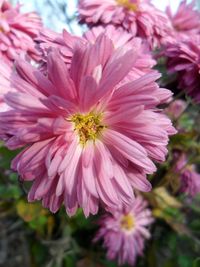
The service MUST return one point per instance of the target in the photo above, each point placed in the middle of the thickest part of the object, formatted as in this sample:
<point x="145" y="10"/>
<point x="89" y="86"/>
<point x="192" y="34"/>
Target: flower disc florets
<point x="127" y="222"/>
<point x="88" y="126"/>
<point x="127" y="4"/>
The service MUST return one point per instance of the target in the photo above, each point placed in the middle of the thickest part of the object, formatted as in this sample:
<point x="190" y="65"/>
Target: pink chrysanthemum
<point x="17" y="32"/>
<point x="184" y="58"/>
<point x="87" y="140"/>
<point x="189" y="178"/>
<point x="140" y="18"/>
<point x="176" y="109"/>
<point x="186" y="21"/>
<point x="124" y="232"/>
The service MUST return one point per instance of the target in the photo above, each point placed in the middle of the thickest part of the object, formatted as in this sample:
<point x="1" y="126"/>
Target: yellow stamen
<point x="127" y="222"/>
<point x="126" y="3"/>
<point x="88" y="126"/>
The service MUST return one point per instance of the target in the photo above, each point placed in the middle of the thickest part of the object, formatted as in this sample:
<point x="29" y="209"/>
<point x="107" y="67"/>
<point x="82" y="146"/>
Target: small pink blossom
<point x="17" y="32"/>
<point x="88" y="140"/>
<point x="184" y="59"/>
<point x="124" y="232"/>
<point x="189" y="178"/>
<point x="176" y="109"/>
<point x="140" y="18"/>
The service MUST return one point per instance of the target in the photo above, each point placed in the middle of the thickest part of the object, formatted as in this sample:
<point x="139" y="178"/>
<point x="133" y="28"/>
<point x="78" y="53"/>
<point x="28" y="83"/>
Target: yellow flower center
<point x="190" y="167"/>
<point x="127" y="4"/>
<point x="127" y="222"/>
<point x="2" y="17"/>
<point x="88" y="126"/>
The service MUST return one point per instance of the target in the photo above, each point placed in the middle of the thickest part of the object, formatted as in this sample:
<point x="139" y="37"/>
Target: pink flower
<point x="190" y="182"/>
<point x="176" y="109"/>
<point x="124" y="232"/>
<point x="184" y="58"/>
<point x="88" y="141"/>
<point x="189" y="178"/>
<point x="186" y="21"/>
<point x="140" y="18"/>
<point x="17" y="32"/>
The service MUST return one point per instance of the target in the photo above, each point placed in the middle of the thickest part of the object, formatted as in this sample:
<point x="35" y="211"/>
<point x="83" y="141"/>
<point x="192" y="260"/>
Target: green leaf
<point x="186" y="122"/>
<point x="196" y="263"/>
<point x="6" y="156"/>
<point x="10" y="192"/>
<point x="151" y="256"/>
<point x="184" y="261"/>
<point x="69" y="261"/>
<point x="39" y="253"/>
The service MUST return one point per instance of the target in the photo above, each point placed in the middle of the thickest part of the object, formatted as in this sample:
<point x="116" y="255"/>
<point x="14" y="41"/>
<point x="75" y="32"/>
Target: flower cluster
<point x="89" y="113"/>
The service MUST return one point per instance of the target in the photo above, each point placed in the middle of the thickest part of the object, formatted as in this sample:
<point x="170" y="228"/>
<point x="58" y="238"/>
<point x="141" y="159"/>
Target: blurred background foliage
<point x="30" y="236"/>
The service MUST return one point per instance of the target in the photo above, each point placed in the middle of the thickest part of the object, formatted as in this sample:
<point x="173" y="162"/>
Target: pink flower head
<point x="176" y="108"/>
<point x="17" y="32"/>
<point x="189" y="178"/>
<point x="88" y="141"/>
<point x="186" y="21"/>
<point x="184" y="58"/>
<point x="139" y="17"/>
<point x="124" y="232"/>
